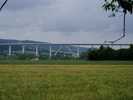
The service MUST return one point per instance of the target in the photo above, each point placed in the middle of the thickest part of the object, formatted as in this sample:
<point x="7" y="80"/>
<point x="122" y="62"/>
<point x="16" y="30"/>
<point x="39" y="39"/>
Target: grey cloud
<point x="62" y="19"/>
<point x="26" y="4"/>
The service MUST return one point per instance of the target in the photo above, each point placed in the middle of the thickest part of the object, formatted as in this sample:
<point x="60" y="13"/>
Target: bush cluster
<point x="107" y="53"/>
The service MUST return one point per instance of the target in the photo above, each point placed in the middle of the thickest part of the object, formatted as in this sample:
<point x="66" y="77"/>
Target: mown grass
<point x="66" y="82"/>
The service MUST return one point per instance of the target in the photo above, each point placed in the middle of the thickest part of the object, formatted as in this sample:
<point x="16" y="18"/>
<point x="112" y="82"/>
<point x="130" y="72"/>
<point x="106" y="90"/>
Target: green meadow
<point x="103" y="81"/>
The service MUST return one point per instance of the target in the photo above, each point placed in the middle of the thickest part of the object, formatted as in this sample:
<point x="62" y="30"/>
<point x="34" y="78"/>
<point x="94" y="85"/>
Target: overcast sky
<point x="61" y="21"/>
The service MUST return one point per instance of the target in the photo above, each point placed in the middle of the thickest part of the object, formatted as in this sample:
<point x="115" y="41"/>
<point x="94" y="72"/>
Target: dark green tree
<point x="115" y="5"/>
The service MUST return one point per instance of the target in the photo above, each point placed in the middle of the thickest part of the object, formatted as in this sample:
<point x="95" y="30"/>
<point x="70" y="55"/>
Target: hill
<point x="43" y="49"/>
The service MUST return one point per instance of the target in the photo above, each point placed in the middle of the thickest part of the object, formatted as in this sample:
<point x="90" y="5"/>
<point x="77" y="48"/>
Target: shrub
<point x="107" y="53"/>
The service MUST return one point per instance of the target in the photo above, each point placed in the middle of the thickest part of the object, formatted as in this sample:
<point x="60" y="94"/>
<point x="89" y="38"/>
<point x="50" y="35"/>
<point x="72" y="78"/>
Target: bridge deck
<point x="76" y="44"/>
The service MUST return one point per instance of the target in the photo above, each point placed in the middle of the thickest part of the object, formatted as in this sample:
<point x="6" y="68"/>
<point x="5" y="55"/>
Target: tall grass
<point x="66" y="82"/>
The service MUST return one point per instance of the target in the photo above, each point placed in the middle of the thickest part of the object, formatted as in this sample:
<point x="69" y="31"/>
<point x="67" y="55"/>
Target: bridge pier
<point x="23" y="49"/>
<point x="78" y="52"/>
<point x="92" y="47"/>
<point x="10" y="50"/>
<point x="50" y="52"/>
<point x="120" y="46"/>
<point x="37" y="51"/>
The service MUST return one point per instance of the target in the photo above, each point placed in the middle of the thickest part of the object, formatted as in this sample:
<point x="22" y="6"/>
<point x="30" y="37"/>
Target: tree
<point x="4" y="3"/>
<point x="115" y="6"/>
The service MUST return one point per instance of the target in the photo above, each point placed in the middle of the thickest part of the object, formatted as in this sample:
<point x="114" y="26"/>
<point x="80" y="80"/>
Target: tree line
<point x="107" y="53"/>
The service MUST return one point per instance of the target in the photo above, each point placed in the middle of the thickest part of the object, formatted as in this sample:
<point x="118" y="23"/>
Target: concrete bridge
<point x="60" y="46"/>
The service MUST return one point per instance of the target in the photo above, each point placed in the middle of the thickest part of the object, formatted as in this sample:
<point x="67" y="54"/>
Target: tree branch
<point x="3" y="5"/>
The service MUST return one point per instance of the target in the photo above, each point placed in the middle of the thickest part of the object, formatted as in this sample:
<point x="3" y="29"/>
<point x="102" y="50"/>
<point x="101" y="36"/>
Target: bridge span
<point x="52" y="52"/>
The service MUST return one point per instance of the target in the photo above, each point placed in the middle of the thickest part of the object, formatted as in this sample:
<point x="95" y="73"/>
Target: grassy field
<point x="65" y="62"/>
<point x="66" y="82"/>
